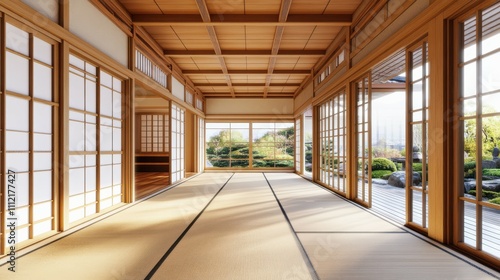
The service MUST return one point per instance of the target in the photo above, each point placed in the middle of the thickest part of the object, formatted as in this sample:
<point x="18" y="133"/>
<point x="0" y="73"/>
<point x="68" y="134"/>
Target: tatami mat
<point x="230" y="226"/>
<point x="242" y="235"/>
<point x="126" y="245"/>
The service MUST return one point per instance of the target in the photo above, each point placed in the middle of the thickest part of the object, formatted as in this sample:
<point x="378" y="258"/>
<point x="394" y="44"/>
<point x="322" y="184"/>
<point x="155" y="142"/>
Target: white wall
<point x="48" y="8"/>
<point x="304" y="96"/>
<point x="249" y="106"/>
<point x="88" y="23"/>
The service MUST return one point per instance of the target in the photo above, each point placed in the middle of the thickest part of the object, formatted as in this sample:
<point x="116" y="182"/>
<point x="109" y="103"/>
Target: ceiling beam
<point x="248" y="85"/>
<point x="206" y="19"/>
<point x="205" y="15"/>
<point x="260" y="53"/>
<point x="246" y="72"/>
<point x="248" y="94"/>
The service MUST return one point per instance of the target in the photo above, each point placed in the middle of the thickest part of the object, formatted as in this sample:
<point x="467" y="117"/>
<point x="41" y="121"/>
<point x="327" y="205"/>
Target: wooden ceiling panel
<point x="342" y="6"/>
<point x="293" y="44"/>
<point x="222" y="7"/>
<point x="239" y="48"/>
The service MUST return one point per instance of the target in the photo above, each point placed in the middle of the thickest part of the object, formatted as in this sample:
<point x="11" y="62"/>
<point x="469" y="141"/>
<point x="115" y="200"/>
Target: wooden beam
<point x="206" y="19"/>
<point x="248" y="85"/>
<point x="239" y="53"/>
<point x="246" y="72"/>
<point x="205" y="15"/>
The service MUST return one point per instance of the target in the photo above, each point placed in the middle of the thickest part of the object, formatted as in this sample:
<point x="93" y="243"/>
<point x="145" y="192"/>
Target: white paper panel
<point x="177" y="89"/>
<point x="42" y="121"/>
<point x="42" y="142"/>
<point x="76" y="201"/>
<point x="22" y="215"/>
<point x="42" y="227"/>
<point x="42" y="211"/>
<point x="76" y="116"/>
<point x="106" y="176"/>
<point x="90" y="179"/>
<point x="76" y="161"/>
<point x="106" y="203"/>
<point x="42" y="186"/>
<point x="91" y="69"/>
<point x="76" y="92"/>
<point x="117" y="190"/>
<point x="17" y="113"/>
<point x="106" y="121"/>
<point x="76" y="215"/>
<point x="18" y="162"/>
<point x="17" y="39"/>
<point x="106" y="102"/>
<point x="91" y="160"/>
<point x="106" y="159"/>
<point x="22" y="189"/>
<point x="117" y="84"/>
<point x="106" y="79"/>
<point x="90" y="96"/>
<point x="43" y="51"/>
<point x="90" y="133"/>
<point x="117" y="173"/>
<point x="22" y="235"/>
<point x="117" y="105"/>
<point x="17" y="141"/>
<point x="90" y="197"/>
<point x="90" y="210"/>
<point x="75" y="61"/>
<point x="117" y="139"/>
<point x="76" y="136"/>
<point x="117" y="200"/>
<point x="43" y="161"/>
<point x="105" y="193"/>
<point x="106" y="143"/>
<point x="42" y="82"/>
<point x="117" y="123"/>
<point x="76" y="181"/>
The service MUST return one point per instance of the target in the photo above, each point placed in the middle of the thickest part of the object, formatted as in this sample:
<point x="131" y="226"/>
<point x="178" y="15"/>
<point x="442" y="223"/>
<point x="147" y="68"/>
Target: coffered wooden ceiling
<point x="244" y="48"/>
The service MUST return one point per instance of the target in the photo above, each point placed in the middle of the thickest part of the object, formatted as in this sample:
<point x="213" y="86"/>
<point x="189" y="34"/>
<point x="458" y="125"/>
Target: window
<point x="95" y="140"/>
<point x="479" y="96"/>
<point x="30" y="107"/>
<point x="332" y="131"/>
<point x="298" y="145"/>
<point x="363" y="141"/>
<point x="201" y="144"/>
<point x="177" y="137"/>
<point x="229" y="146"/>
<point x="154" y="132"/>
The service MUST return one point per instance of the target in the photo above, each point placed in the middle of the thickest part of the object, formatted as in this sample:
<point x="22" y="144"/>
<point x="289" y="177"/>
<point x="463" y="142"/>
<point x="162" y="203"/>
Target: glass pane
<point x="469" y="34"/>
<point x="42" y="82"/>
<point x="491" y="229"/>
<point x="417" y="70"/>
<point x="417" y="207"/>
<point x="489" y="76"/>
<point x="470" y="224"/>
<point x="469" y="80"/>
<point x="470" y="107"/>
<point x="470" y="158"/>
<point x="17" y="74"/>
<point x="417" y="96"/>
<point x="490" y="102"/>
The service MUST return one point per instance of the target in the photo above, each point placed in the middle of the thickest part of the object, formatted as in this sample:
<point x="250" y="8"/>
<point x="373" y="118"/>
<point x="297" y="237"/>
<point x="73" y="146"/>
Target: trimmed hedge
<point x="383" y="164"/>
<point x="487" y="194"/>
<point x="491" y="172"/>
<point x="495" y="200"/>
<point x="381" y="174"/>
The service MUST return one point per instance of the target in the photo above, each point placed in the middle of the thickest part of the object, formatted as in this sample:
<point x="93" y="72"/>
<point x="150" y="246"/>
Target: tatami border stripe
<point x="312" y="270"/>
<point x="169" y="251"/>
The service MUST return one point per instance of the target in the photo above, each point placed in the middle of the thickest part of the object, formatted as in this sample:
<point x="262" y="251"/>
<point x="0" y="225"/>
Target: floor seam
<point x="179" y="239"/>
<point x="312" y="270"/>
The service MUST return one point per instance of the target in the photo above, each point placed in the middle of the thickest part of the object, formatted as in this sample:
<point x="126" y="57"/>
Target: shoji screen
<point x="29" y="130"/>
<point x="95" y="140"/>
<point x="177" y="139"/>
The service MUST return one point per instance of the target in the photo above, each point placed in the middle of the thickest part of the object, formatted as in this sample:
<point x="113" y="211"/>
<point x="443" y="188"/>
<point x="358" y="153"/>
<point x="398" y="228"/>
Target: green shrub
<point x="383" y="164"/>
<point x="491" y="172"/>
<point x="417" y="167"/>
<point x="495" y="200"/>
<point x="471" y="173"/>
<point x="381" y="174"/>
<point x="487" y="194"/>
<point x="399" y="166"/>
<point x="469" y="166"/>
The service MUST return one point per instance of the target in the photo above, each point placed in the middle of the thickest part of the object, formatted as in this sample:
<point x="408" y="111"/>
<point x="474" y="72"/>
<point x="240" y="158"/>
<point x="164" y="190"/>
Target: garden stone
<point x="379" y="181"/>
<point x="398" y="179"/>
<point x="492" y="185"/>
<point x="469" y="184"/>
<point x="489" y="164"/>
<point x="497" y="162"/>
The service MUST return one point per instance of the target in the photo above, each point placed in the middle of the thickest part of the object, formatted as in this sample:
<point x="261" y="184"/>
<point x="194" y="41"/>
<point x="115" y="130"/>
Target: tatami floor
<point x="245" y="226"/>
